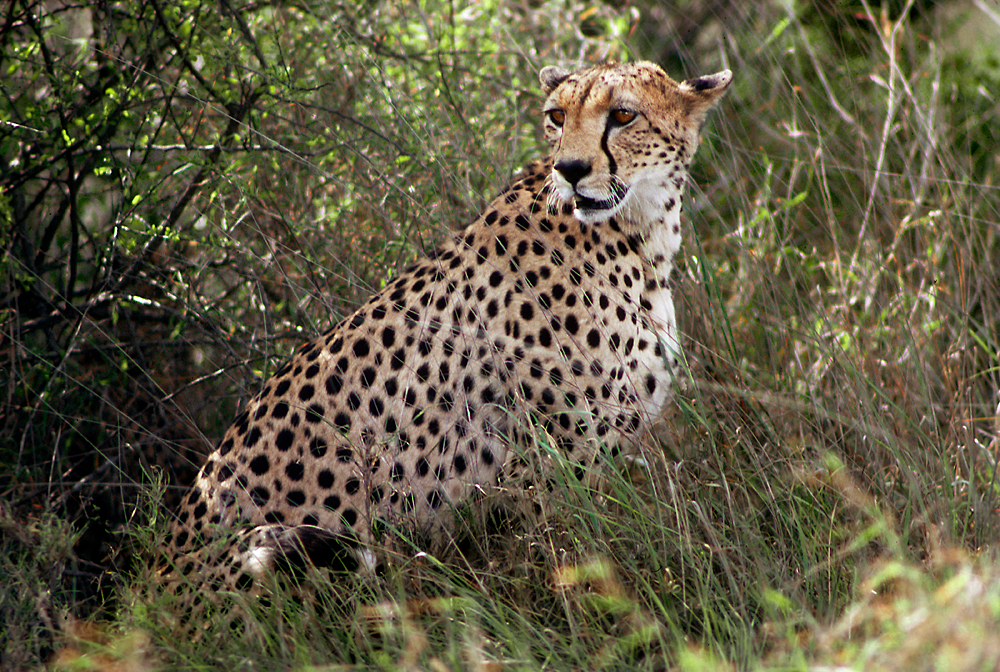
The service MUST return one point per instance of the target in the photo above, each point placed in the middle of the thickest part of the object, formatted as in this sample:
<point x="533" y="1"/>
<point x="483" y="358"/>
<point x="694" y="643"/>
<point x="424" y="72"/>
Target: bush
<point x="189" y="193"/>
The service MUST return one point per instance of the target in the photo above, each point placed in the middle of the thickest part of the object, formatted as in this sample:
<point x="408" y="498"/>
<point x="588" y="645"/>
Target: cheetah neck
<point x="656" y="221"/>
<point x="658" y="227"/>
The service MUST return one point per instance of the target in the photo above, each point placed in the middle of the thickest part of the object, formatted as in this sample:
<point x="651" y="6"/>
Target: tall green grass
<point x="824" y="489"/>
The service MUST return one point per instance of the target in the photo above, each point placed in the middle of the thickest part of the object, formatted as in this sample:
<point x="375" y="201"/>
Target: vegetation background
<point x="188" y="190"/>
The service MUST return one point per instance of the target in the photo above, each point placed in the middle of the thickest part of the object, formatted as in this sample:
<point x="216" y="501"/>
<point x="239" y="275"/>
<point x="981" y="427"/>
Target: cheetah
<point x="551" y="313"/>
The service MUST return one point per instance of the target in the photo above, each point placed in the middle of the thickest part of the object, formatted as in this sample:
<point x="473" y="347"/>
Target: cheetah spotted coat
<point x="549" y="316"/>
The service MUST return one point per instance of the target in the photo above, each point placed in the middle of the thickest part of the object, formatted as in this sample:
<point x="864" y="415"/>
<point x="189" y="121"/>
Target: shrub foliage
<point x="189" y="190"/>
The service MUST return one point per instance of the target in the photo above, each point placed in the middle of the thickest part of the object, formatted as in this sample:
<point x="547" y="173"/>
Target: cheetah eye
<point x="557" y="117"/>
<point x="622" y="117"/>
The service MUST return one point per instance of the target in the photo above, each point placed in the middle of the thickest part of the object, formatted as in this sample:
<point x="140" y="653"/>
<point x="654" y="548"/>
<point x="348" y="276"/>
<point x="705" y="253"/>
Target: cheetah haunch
<point x="550" y="311"/>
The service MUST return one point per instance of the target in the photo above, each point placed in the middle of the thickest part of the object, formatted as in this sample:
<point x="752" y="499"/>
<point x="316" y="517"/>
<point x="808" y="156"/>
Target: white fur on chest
<point x="660" y="245"/>
<point x="664" y="320"/>
<point x="660" y="240"/>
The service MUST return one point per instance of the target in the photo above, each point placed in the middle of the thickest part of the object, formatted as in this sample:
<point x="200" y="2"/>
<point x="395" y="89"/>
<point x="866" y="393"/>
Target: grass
<point x="823" y="492"/>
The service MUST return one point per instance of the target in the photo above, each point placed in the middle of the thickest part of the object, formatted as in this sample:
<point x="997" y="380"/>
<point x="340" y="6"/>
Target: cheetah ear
<point x="704" y="93"/>
<point x="552" y="76"/>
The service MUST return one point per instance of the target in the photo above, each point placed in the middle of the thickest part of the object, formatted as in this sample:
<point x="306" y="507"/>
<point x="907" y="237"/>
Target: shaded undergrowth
<point x="181" y="207"/>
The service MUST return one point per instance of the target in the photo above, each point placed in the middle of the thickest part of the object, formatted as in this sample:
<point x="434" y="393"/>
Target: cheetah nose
<point x="573" y="171"/>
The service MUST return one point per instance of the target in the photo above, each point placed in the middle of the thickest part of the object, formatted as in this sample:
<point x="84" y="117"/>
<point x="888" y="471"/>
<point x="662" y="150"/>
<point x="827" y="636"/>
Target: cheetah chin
<point x="589" y="210"/>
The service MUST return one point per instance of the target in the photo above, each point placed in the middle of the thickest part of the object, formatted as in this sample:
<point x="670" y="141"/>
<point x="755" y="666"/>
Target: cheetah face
<point x="622" y="137"/>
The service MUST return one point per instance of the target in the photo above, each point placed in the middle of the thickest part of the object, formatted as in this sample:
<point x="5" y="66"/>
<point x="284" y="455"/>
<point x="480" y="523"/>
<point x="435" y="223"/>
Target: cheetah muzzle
<point x="550" y="315"/>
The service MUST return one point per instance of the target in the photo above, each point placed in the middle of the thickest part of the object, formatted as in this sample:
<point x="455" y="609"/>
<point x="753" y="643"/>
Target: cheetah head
<point x="623" y="135"/>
